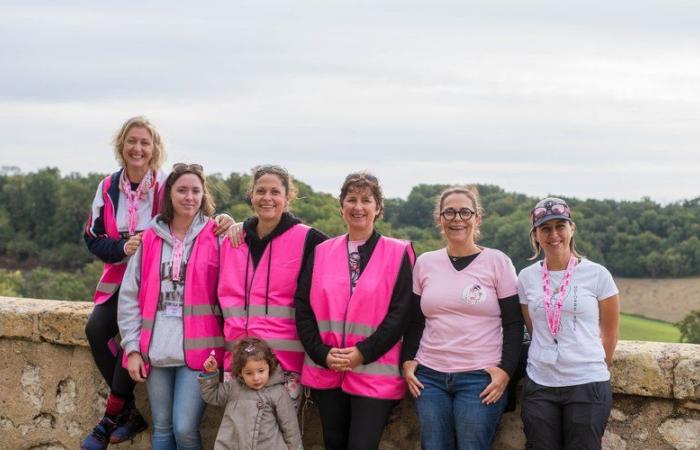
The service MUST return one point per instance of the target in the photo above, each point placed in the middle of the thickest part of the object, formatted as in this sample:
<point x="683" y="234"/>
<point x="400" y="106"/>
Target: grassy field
<point x="637" y="328"/>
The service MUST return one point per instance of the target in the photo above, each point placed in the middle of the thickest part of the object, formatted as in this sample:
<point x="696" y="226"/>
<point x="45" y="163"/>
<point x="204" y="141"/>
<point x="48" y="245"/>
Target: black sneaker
<point x="99" y="438"/>
<point x="129" y="424"/>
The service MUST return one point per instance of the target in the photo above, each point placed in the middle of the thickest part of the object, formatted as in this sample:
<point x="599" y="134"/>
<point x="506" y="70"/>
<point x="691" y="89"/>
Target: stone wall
<point x="51" y="393"/>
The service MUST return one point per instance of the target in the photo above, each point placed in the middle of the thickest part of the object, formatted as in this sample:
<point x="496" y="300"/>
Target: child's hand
<point x="210" y="364"/>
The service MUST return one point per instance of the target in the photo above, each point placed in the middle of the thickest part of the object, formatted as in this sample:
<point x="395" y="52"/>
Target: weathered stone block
<point x="643" y="368"/>
<point x="686" y="374"/>
<point x="682" y="434"/>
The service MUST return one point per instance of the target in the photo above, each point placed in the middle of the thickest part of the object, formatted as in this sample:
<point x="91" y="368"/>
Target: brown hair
<point x="537" y="248"/>
<point x="255" y="349"/>
<point x="271" y="169"/>
<point x="159" y="154"/>
<point x="361" y="180"/>
<point x="180" y="169"/>
<point x="471" y="192"/>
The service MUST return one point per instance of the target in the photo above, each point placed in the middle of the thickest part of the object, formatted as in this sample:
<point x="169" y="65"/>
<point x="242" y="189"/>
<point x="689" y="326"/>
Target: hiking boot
<point x="99" y="437"/>
<point x="129" y="424"/>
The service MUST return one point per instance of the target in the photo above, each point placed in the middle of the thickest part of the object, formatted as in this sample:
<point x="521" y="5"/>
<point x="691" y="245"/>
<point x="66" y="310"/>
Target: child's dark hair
<point x="255" y="349"/>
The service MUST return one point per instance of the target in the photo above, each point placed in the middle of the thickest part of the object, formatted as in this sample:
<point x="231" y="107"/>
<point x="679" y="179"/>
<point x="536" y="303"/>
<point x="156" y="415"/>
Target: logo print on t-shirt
<point x="474" y="294"/>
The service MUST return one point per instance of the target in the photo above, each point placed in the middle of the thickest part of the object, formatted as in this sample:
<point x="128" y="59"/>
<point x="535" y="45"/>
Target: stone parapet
<point x="51" y="394"/>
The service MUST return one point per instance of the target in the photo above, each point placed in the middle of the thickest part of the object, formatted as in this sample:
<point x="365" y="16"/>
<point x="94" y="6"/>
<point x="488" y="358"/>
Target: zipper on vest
<point x="184" y="299"/>
<point x="347" y="304"/>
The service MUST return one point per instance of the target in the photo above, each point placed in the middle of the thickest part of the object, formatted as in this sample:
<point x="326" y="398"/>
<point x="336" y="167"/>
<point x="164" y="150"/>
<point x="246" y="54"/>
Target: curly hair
<point x="359" y="181"/>
<point x="252" y="348"/>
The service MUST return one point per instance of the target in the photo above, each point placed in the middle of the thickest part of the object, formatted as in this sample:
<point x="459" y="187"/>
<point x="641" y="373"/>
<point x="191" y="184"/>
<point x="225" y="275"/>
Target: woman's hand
<point x="223" y="223"/>
<point x="498" y="385"/>
<point x="236" y="234"/>
<point x="335" y="360"/>
<point x="409" y="373"/>
<point x="353" y="356"/>
<point x="132" y="244"/>
<point x="136" y="367"/>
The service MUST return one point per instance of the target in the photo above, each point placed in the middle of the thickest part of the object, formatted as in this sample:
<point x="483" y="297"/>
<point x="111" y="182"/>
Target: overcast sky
<point x="596" y="98"/>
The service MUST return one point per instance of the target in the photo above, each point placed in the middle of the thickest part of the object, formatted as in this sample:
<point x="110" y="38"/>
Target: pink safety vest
<point x="344" y="319"/>
<point x="202" y="322"/>
<point x="112" y="274"/>
<point x="263" y="304"/>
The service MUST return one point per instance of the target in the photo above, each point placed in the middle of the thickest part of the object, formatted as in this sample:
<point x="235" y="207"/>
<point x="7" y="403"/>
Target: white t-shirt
<point x="577" y="356"/>
<point x="462" y="315"/>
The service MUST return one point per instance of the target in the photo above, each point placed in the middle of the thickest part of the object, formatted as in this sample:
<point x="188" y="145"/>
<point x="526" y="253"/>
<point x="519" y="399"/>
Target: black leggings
<point x="101" y="327"/>
<point x="351" y="422"/>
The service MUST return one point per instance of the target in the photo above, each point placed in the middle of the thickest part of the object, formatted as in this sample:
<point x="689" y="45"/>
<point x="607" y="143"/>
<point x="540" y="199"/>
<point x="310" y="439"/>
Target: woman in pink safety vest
<point x="258" y="278"/>
<point x="169" y="317"/>
<point x="353" y="305"/>
<point x="123" y="207"/>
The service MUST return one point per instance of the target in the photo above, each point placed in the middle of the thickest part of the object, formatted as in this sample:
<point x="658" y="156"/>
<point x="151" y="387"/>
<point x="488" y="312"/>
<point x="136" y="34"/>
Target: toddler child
<point x="259" y="413"/>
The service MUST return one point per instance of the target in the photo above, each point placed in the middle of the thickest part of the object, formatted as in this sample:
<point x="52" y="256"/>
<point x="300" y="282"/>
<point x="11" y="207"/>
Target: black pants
<point x="351" y="422"/>
<point x="571" y="417"/>
<point x="101" y="327"/>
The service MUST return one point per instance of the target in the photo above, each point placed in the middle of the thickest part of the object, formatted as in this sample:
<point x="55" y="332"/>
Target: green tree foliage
<point x="690" y="328"/>
<point x="42" y="215"/>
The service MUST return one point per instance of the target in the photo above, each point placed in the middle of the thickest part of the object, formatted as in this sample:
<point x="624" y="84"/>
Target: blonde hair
<point x="471" y="192"/>
<point x="159" y="154"/>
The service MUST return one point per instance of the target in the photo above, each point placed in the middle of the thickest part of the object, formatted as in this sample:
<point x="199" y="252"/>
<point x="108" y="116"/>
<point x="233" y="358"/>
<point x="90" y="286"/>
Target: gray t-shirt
<point x="577" y="356"/>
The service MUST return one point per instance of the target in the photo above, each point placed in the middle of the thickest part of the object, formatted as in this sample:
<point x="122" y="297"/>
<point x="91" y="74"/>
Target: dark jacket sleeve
<point x="414" y="332"/>
<point x="396" y="321"/>
<point x="107" y="249"/>
<point x="313" y="238"/>
<point x="512" y="323"/>
<point x="307" y="326"/>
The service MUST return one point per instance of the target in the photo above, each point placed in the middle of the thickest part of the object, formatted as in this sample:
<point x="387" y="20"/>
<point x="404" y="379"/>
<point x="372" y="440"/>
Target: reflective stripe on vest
<point x="202" y="319"/>
<point x="267" y="310"/>
<point x="344" y="318"/>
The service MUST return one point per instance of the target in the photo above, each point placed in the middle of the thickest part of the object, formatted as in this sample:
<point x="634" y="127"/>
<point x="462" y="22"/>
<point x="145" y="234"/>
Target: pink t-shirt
<point x="462" y="316"/>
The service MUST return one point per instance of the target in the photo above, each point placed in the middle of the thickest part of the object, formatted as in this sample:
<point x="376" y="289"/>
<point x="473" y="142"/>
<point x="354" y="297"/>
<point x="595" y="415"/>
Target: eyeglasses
<point x="558" y="209"/>
<point x="182" y="167"/>
<point x="451" y="213"/>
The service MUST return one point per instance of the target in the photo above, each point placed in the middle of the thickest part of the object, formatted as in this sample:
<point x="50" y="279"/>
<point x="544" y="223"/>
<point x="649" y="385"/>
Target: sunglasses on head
<point x="270" y="168"/>
<point x="182" y="167"/>
<point x="358" y="176"/>
<point x="559" y="209"/>
<point x="451" y="213"/>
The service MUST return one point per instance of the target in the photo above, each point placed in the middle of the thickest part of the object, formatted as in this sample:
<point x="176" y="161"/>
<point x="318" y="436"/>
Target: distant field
<point x="667" y="299"/>
<point x="635" y="328"/>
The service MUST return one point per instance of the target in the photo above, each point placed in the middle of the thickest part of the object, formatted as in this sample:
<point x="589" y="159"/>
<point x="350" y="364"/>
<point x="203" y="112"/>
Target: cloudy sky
<point x="590" y="99"/>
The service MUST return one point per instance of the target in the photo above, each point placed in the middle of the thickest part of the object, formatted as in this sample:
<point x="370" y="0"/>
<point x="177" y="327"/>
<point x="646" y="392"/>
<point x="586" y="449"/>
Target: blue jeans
<point x="176" y="406"/>
<point x="450" y="412"/>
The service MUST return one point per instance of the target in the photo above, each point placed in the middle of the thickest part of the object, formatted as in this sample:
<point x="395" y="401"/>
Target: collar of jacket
<point x="365" y="250"/>
<point x="251" y="233"/>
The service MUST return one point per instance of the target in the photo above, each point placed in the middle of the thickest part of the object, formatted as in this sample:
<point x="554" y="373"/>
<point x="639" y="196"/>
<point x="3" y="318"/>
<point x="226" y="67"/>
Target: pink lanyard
<point x="133" y="198"/>
<point x="554" y="317"/>
<point x="178" y="251"/>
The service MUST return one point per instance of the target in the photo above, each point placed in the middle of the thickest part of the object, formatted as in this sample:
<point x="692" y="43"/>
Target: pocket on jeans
<point x="588" y="402"/>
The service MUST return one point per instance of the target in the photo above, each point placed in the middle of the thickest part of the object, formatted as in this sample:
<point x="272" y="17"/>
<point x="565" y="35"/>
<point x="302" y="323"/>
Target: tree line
<point x="43" y="213"/>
